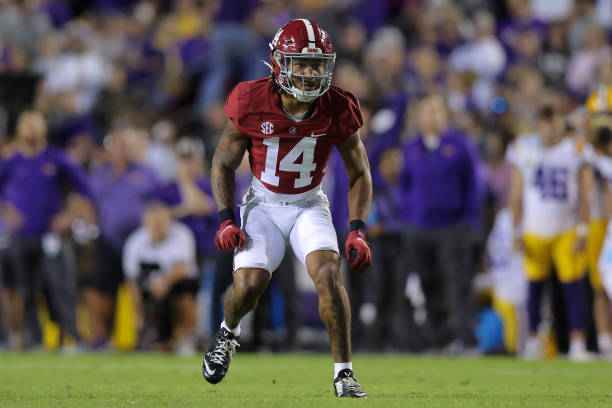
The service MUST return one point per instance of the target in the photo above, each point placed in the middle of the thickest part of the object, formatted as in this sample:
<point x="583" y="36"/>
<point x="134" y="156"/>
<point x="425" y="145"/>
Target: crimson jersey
<point x="290" y="157"/>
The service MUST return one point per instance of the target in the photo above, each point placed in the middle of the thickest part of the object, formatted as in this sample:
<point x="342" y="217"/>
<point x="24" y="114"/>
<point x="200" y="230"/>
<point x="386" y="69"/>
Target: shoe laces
<point x="225" y="348"/>
<point x="351" y="384"/>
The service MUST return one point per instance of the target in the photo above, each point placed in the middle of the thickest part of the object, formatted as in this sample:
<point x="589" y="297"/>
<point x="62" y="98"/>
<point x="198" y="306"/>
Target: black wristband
<point x="357" y="225"/>
<point x="226" y="214"/>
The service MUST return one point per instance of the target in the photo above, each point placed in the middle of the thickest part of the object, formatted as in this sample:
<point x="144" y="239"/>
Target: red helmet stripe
<point x="310" y="31"/>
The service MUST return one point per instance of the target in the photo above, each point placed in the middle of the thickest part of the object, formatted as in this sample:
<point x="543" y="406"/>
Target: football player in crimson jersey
<point x="289" y="123"/>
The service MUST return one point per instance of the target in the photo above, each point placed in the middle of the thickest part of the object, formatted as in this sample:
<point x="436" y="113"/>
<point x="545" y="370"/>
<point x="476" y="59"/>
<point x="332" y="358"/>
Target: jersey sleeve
<point x="234" y="106"/>
<point x="347" y="116"/>
<point x="522" y="150"/>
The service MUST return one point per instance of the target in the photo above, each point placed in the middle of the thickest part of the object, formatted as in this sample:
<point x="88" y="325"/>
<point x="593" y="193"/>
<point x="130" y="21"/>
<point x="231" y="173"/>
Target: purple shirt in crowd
<point x="203" y="228"/>
<point x="122" y="198"/>
<point x="387" y="207"/>
<point x="439" y="185"/>
<point x="34" y="186"/>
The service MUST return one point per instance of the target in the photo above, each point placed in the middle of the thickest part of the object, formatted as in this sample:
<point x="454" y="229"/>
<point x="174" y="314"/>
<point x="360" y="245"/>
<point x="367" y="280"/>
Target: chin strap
<point x="267" y="64"/>
<point x="302" y="98"/>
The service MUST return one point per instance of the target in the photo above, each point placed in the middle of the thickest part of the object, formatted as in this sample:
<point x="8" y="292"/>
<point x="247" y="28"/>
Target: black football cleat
<point x="219" y="355"/>
<point x="345" y="385"/>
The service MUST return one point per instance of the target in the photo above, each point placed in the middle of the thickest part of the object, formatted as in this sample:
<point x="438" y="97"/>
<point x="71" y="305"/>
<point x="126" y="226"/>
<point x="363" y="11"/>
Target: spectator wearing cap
<point x="122" y="188"/>
<point x="32" y="185"/>
<point x="159" y="260"/>
<point x="439" y="183"/>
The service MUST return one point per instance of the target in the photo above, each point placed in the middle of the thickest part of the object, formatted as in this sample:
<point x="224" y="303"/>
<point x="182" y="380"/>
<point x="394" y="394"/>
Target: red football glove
<point x="229" y="236"/>
<point x="356" y="241"/>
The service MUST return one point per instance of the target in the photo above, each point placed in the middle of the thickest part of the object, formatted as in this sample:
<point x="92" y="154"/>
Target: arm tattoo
<point x="227" y="158"/>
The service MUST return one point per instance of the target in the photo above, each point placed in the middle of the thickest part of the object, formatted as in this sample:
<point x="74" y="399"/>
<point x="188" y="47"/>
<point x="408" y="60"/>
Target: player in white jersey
<point x="550" y="208"/>
<point x="587" y="123"/>
<point x="509" y="284"/>
<point x="599" y="108"/>
<point x="601" y="273"/>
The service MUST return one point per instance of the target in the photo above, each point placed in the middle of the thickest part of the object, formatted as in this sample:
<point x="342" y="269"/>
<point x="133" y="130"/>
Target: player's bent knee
<point x="251" y="281"/>
<point x="317" y="260"/>
<point x="325" y="273"/>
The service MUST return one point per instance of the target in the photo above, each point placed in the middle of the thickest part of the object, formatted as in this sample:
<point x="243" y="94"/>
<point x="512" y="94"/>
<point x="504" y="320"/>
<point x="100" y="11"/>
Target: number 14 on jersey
<point x="305" y="148"/>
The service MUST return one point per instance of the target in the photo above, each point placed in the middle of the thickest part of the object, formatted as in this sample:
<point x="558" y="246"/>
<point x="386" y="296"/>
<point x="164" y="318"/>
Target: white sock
<point x="235" y="331"/>
<point x="577" y="345"/>
<point x="341" y="366"/>
<point x="604" y="341"/>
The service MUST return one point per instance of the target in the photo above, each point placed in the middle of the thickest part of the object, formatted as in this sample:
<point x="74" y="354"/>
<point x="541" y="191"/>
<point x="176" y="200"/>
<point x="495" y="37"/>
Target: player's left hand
<point x="356" y="241"/>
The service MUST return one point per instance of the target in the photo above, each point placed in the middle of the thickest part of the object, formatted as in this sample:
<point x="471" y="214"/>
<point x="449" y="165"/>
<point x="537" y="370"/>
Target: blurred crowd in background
<point x="130" y="94"/>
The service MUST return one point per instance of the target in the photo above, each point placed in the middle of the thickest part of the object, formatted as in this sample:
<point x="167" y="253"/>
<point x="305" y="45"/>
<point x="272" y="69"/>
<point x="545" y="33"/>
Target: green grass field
<point x="300" y="380"/>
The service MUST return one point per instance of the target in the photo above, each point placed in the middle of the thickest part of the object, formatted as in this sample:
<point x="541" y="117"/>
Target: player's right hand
<point x="229" y="236"/>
